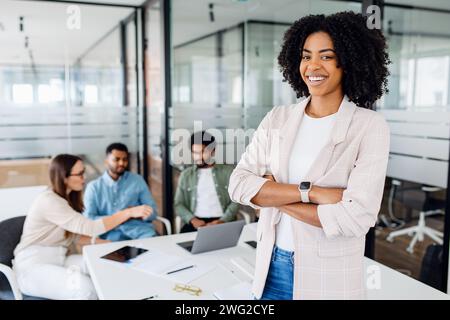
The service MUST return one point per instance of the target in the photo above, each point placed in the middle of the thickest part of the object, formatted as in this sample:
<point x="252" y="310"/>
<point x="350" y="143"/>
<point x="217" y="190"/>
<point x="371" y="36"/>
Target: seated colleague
<point x="201" y="197"/>
<point x="53" y="224"/>
<point x="116" y="190"/>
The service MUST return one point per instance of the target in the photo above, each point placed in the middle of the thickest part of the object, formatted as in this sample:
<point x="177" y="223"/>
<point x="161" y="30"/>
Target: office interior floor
<point x="394" y="255"/>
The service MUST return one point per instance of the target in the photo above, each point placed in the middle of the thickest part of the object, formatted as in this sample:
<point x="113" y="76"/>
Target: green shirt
<point x="186" y="194"/>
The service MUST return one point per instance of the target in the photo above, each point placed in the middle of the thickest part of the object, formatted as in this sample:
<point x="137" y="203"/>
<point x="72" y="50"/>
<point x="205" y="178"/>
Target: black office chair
<point x="431" y="269"/>
<point x="10" y="233"/>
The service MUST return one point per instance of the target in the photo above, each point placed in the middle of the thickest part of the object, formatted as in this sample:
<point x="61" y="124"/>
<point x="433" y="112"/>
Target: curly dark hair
<point x="361" y="52"/>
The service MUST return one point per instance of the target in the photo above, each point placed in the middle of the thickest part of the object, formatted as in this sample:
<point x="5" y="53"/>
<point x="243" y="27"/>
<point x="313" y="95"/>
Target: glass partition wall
<point x="417" y="108"/>
<point x="208" y="86"/>
<point x="61" y="83"/>
<point x="225" y="74"/>
<point x="154" y="104"/>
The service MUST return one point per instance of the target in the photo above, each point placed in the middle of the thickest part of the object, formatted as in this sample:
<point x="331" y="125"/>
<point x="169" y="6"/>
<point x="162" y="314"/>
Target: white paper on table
<point x="159" y="263"/>
<point x="186" y="276"/>
<point x="240" y="291"/>
<point x="156" y="262"/>
<point x="252" y="226"/>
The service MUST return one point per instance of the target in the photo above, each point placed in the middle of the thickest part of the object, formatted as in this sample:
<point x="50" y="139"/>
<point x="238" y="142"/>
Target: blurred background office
<point x="78" y="75"/>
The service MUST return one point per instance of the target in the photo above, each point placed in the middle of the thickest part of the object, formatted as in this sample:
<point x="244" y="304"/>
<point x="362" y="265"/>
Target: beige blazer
<point x="328" y="260"/>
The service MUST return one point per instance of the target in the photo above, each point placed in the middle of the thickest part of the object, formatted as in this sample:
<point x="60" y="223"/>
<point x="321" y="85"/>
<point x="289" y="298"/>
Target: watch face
<point x="305" y="185"/>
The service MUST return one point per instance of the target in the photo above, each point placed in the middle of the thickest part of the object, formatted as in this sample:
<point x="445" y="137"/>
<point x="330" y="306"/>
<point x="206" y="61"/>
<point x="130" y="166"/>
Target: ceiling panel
<point x="49" y="39"/>
<point x="121" y="2"/>
<point x="437" y="4"/>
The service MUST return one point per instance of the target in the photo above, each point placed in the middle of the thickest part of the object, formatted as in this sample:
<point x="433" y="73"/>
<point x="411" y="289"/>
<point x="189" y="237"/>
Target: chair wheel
<point x="410" y="250"/>
<point x="391" y="240"/>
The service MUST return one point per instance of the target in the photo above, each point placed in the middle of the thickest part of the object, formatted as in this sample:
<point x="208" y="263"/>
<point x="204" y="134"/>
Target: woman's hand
<point x="85" y="240"/>
<point x="122" y="216"/>
<point x="320" y="195"/>
<point x="143" y="212"/>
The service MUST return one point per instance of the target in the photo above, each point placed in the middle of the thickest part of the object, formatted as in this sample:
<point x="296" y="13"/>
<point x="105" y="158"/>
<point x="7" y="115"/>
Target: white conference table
<point x="115" y="281"/>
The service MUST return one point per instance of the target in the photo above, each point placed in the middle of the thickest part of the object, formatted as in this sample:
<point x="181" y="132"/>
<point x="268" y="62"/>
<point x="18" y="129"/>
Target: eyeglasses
<point x="78" y="174"/>
<point x="192" y="290"/>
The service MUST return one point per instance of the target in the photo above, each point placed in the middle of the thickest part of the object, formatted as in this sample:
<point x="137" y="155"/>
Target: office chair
<point x="166" y="224"/>
<point x="430" y="206"/>
<point x="391" y="220"/>
<point x="178" y="221"/>
<point x="10" y="233"/>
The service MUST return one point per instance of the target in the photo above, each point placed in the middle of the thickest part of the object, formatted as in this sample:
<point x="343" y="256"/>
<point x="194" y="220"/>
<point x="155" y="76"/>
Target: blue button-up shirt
<point x="105" y="196"/>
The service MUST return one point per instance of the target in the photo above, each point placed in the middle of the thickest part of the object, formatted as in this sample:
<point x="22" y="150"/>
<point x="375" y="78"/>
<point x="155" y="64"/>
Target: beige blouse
<point x="48" y="219"/>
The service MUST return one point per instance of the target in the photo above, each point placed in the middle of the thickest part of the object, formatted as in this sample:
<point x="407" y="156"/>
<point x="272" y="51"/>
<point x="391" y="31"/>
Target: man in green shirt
<point x="202" y="196"/>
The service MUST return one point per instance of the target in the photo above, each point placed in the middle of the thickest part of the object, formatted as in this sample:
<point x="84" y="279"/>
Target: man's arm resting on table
<point x="146" y="198"/>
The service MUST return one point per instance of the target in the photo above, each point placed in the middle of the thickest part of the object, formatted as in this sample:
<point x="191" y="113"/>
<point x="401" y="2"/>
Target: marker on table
<point x="188" y="267"/>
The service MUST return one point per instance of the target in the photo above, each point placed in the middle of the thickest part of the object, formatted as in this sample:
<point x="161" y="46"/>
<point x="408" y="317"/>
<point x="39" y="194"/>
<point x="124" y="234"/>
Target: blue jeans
<point x="280" y="279"/>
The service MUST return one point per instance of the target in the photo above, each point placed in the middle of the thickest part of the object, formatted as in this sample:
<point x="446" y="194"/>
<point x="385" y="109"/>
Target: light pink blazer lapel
<point x="288" y="135"/>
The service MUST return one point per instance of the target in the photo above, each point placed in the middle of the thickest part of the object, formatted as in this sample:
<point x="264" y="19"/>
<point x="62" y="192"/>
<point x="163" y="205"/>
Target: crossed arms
<point x="285" y="197"/>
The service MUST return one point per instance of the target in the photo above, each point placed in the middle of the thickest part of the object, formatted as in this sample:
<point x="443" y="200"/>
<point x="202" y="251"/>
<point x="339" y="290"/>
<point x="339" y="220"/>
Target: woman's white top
<point x="312" y="135"/>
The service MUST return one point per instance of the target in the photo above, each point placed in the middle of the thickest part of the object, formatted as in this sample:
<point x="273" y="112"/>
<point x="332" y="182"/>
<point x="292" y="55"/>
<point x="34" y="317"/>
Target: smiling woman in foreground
<point x="317" y="169"/>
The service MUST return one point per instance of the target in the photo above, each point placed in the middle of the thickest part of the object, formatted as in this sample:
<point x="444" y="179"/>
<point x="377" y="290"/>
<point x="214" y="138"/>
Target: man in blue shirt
<point x="116" y="190"/>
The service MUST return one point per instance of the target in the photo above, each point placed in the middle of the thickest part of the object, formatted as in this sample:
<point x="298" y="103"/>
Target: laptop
<point x="215" y="237"/>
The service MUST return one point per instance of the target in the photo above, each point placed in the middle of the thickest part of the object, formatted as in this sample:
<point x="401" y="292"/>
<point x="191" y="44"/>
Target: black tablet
<point x="125" y="254"/>
<point x="252" y="243"/>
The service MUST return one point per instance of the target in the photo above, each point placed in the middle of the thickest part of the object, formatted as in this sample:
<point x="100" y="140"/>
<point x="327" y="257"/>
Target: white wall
<point x="16" y="201"/>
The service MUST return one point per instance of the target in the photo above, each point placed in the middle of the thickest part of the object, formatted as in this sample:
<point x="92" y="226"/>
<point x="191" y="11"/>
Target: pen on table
<point x="151" y="297"/>
<point x="188" y="267"/>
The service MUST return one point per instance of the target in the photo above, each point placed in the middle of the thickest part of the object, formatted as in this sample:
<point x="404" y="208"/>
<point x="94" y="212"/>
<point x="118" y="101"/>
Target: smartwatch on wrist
<point x="304" y="187"/>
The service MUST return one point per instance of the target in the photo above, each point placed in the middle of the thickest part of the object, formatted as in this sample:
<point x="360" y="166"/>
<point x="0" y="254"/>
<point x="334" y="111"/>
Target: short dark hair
<point x="361" y="52"/>
<point x="116" y="146"/>
<point x="204" y="138"/>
